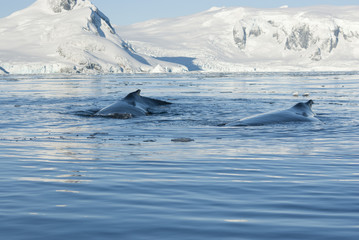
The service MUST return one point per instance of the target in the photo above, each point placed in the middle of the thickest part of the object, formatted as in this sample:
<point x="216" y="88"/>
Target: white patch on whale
<point x="133" y="105"/>
<point x="301" y="112"/>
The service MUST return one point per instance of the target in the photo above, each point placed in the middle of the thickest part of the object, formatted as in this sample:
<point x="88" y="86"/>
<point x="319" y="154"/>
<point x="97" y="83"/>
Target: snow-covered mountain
<point x="54" y="36"/>
<point x="244" y="39"/>
<point x="70" y="36"/>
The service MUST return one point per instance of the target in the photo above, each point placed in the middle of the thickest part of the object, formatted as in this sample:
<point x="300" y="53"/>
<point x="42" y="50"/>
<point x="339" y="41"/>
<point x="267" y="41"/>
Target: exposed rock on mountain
<point x="245" y="39"/>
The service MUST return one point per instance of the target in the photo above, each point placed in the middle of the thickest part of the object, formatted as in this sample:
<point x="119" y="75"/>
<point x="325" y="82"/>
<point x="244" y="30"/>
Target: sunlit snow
<point x="239" y="39"/>
<point x="74" y="36"/>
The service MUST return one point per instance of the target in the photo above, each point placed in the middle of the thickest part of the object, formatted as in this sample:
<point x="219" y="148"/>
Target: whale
<point x="300" y="112"/>
<point x="133" y="105"/>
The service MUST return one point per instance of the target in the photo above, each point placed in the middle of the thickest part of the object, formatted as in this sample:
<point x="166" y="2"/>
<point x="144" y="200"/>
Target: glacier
<point x="74" y="36"/>
<point x="69" y="36"/>
<point x="237" y="39"/>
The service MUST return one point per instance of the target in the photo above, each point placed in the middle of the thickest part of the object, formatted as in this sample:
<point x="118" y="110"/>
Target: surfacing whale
<point x="133" y="105"/>
<point x="301" y="112"/>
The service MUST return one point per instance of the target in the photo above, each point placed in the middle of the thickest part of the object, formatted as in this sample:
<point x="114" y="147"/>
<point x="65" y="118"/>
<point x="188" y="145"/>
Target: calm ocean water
<point x="66" y="175"/>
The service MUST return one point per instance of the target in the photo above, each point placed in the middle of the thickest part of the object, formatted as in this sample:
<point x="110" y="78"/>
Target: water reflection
<point x="236" y="220"/>
<point x="39" y="179"/>
<point x="67" y="191"/>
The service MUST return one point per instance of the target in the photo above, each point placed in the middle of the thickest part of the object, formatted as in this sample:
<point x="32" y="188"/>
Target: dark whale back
<point x="135" y="98"/>
<point x="132" y="105"/>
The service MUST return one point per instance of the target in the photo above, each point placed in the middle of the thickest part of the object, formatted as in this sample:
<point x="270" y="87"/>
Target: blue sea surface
<point x="178" y="173"/>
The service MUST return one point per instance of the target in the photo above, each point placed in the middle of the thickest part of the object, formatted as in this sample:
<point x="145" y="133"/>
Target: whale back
<point x="136" y="99"/>
<point x="121" y="108"/>
<point x="300" y="112"/>
<point x="132" y="105"/>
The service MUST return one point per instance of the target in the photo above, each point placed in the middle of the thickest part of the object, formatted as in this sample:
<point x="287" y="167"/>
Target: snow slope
<point x="244" y="39"/>
<point x="73" y="36"/>
<point x="68" y="36"/>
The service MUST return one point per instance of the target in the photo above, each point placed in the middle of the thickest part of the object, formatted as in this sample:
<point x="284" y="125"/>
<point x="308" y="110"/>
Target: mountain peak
<point x="68" y="36"/>
<point x="62" y="5"/>
<point x="59" y="6"/>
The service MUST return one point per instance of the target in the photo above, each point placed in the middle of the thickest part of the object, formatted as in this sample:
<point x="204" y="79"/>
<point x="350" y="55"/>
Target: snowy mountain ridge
<point x="74" y="36"/>
<point x="68" y="36"/>
<point x="317" y="36"/>
<point x="244" y="39"/>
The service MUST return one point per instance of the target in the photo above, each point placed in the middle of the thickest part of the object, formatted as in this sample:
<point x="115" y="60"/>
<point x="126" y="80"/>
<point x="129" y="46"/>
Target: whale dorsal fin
<point x="310" y="103"/>
<point x="304" y="109"/>
<point x="132" y="97"/>
<point x="133" y="94"/>
<point x="304" y="105"/>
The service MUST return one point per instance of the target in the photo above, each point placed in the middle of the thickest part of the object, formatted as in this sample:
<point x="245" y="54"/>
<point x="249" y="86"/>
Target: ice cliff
<point x="244" y="39"/>
<point x="69" y="36"/>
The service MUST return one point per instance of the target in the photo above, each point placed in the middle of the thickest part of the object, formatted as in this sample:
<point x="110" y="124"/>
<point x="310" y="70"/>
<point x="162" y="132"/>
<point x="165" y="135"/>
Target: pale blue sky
<point x="124" y="12"/>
